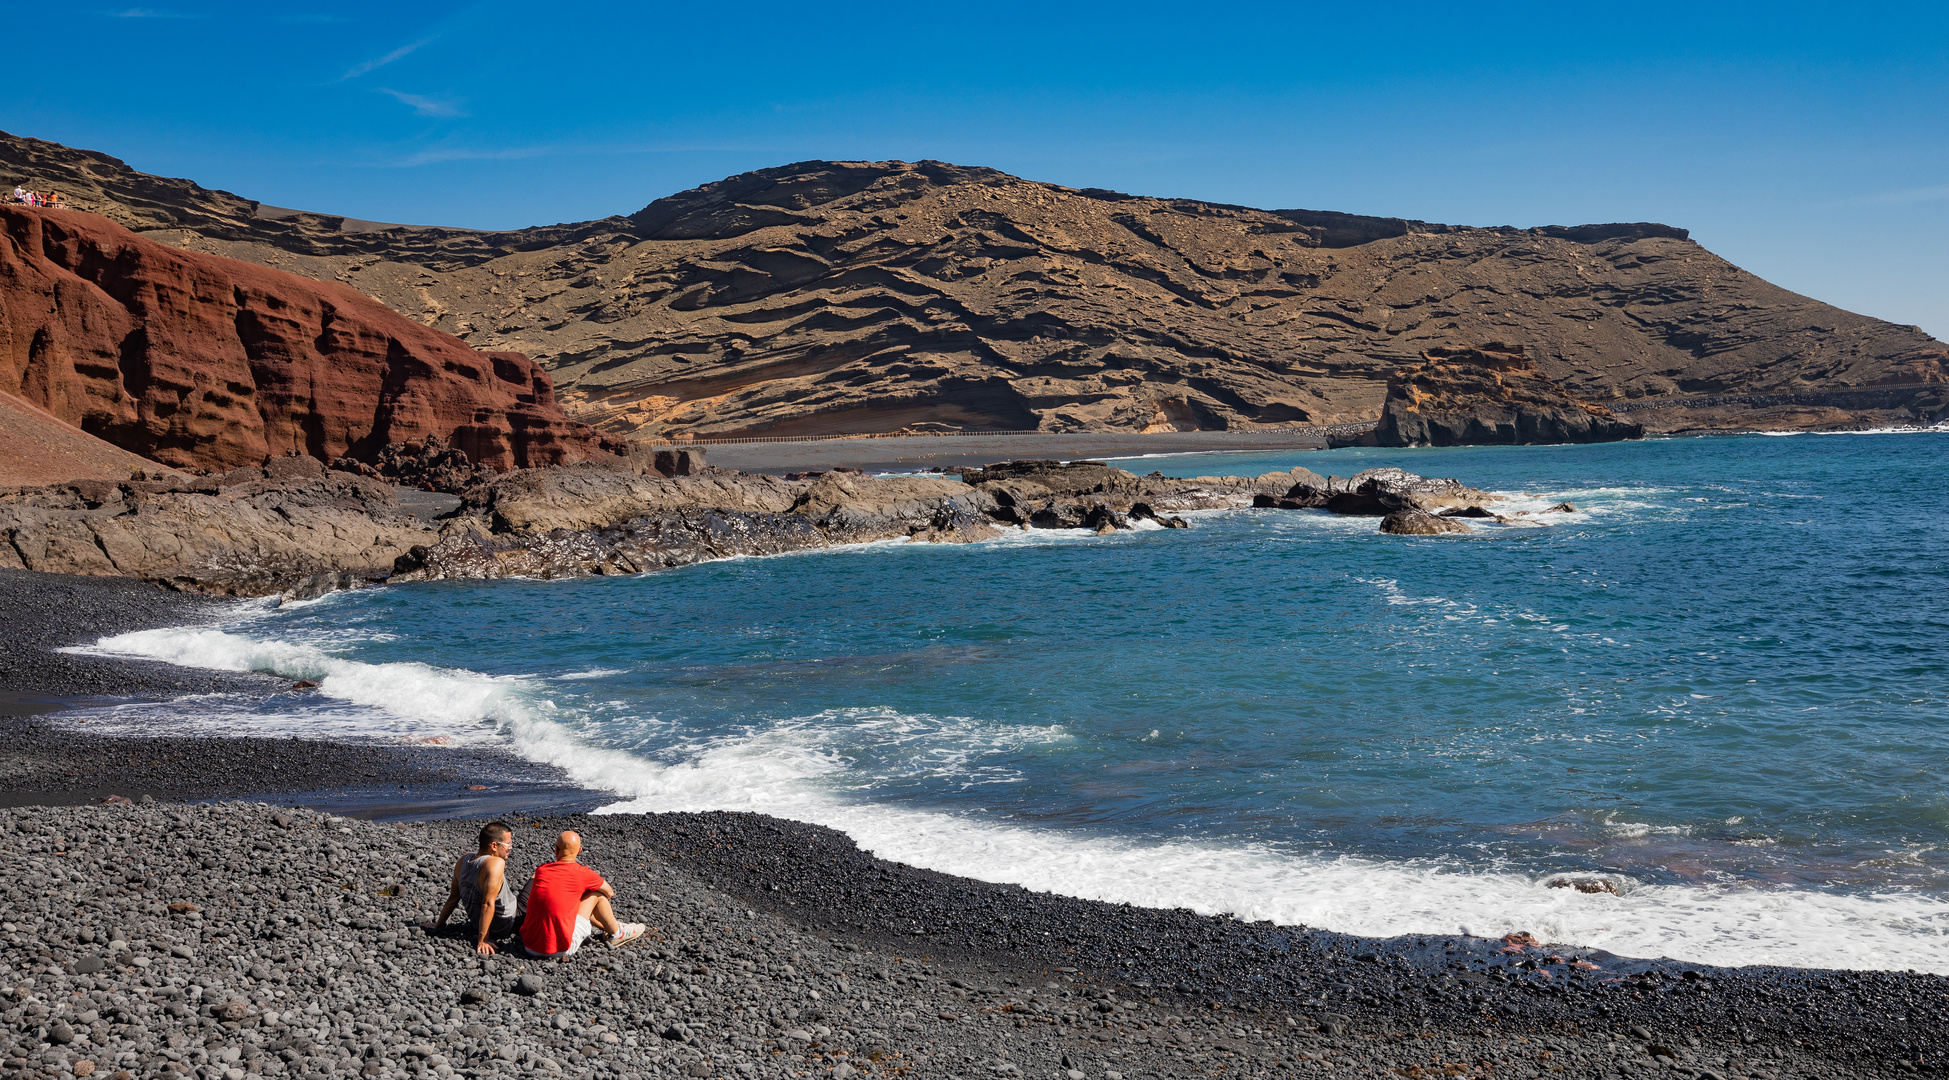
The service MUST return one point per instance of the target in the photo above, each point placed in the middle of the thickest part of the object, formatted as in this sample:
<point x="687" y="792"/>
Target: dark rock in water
<point x="1468" y="512"/>
<point x="1102" y="518"/>
<point x="1419" y="523"/>
<point x="1378" y="492"/>
<point x="1583" y="884"/>
<point x="1488" y="395"/>
<point x="1561" y="508"/>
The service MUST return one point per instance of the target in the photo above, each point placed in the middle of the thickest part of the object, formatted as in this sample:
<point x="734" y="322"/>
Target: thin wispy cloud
<point x="151" y="13"/>
<point x="374" y="65"/>
<point x="425" y="106"/>
<point x="1898" y="197"/>
<point x="435" y="157"/>
<point x="1912" y="195"/>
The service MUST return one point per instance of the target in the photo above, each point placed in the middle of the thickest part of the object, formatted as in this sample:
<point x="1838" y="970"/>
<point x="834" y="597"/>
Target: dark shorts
<point x="501" y="927"/>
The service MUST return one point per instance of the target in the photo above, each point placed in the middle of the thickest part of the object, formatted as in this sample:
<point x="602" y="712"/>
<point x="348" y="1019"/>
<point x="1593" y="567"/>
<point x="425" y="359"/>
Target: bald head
<point x="568" y="846"/>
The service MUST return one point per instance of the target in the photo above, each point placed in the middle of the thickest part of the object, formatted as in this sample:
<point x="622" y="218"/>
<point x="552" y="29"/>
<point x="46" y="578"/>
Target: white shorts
<point x="583" y="928"/>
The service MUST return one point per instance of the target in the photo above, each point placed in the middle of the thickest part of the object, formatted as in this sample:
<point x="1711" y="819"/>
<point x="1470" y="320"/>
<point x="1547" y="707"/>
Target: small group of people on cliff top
<point x="564" y="904"/>
<point x="25" y="197"/>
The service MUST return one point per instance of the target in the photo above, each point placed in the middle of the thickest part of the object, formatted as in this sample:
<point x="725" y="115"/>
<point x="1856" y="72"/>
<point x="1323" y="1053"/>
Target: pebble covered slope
<point x="235" y="940"/>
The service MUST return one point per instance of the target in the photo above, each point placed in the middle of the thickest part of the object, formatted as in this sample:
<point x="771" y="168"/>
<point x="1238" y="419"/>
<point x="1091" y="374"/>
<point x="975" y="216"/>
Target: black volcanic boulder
<point x="1376" y="492"/>
<point x="1488" y="395"/>
<point x="1419" y="523"/>
<point x="1060" y="477"/>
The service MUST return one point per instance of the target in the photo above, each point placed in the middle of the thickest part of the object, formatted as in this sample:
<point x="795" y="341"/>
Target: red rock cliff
<point x="203" y="362"/>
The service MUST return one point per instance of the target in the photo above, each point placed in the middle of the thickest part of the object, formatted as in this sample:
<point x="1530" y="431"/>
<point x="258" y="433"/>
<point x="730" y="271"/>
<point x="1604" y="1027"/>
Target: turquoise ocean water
<point x="1721" y="687"/>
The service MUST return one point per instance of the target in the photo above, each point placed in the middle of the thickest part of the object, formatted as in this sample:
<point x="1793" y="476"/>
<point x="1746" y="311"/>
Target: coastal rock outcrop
<point x="289" y="526"/>
<point x="1488" y="395"/>
<point x="1376" y="492"/>
<point x="201" y="362"/>
<point x="292" y="527"/>
<point x="1420" y="523"/>
<point x="596" y="520"/>
<point x="864" y="296"/>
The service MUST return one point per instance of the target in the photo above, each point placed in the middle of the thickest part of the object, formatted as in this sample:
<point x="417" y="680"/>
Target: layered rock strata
<point x="1488" y="395"/>
<point x="878" y="296"/>
<point x="208" y="363"/>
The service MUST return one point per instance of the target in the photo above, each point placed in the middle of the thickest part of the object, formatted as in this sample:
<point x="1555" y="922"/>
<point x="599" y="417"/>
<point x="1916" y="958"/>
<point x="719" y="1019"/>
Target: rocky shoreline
<point x="294" y="528"/>
<point x="158" y="939"/>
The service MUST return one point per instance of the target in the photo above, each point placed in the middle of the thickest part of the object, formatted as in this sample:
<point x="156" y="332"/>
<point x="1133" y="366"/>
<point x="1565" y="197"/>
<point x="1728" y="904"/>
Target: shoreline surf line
<point x="773" y="771"/>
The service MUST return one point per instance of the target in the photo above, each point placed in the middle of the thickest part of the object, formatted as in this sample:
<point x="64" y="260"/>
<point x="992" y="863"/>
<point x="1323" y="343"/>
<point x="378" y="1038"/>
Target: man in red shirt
<point x="566" y="902"/>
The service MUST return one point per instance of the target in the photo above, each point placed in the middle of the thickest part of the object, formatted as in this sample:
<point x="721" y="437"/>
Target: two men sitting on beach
<point x="564" y="904"/>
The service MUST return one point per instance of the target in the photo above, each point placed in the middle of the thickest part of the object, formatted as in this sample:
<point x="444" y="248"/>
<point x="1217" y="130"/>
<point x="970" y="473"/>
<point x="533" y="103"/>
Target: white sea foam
<point x="803" y="769"/>
<point x="1932" y="429"/>
<point x="769" y="773"/>
<point x="398" y="699"/>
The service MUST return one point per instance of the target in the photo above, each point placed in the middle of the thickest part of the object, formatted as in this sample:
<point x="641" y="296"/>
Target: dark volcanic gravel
<point x="232" y="940"/>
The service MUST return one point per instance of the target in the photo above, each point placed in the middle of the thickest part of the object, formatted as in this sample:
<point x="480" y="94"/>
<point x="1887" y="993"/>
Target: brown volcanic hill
<point x="875" y="296"/>
<point x="210" y="363"/>
<point x="1491" y="394"/>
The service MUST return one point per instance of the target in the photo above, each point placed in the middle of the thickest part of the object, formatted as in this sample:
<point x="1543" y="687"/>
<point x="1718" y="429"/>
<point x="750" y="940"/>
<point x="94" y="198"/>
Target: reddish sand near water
<point x="37" y="448"/>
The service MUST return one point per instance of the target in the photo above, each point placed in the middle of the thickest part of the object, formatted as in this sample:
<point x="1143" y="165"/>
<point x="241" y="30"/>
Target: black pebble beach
<point x="164" y="937"/>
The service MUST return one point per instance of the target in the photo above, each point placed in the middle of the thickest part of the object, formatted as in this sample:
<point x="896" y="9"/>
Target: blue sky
<point x="1809" y="143"/>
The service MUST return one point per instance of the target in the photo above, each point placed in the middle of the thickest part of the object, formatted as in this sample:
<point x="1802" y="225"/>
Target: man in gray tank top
<point x="481" y="888"/>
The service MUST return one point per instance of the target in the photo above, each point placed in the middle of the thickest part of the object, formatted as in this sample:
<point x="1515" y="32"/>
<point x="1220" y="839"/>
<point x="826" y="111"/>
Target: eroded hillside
<point x="849" y="297"/>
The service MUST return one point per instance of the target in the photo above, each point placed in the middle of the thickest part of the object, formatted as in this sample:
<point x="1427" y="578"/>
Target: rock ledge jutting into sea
<point x="295" y="528"/>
